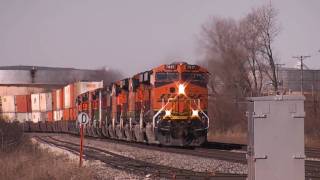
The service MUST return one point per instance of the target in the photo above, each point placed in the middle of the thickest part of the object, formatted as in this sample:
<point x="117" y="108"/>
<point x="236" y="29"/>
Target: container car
<point x="165" y="105"/>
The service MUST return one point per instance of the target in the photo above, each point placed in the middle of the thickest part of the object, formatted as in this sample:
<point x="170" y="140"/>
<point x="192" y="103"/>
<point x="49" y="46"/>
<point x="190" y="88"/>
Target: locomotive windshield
<point x="167" y="76"/>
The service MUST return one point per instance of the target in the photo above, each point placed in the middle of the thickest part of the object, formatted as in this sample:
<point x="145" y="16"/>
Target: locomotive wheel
<point x="43" y="126"/>
<point x="151" y="134"/>
<point x="64" y="127"/>
<point x="112" y="132"/>
<point x="99" y="132"/>
<point x="94" y="131"/>
<point x="27" y="126"/>
<point x="58" y="126"/>
<point x="120" y="132"/>
<point x="50" y="127"/>
<point x="139" y="134"/>
<point x="89" y="131"/>
<point x="128" y="133"/>
<point x="105" y="132"/>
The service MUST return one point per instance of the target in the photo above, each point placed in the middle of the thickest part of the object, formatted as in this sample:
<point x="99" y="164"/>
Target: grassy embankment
<point x="26" y="160"/>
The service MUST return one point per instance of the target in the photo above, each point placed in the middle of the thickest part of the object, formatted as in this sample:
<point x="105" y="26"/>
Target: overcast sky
<point x="135" y="35"/>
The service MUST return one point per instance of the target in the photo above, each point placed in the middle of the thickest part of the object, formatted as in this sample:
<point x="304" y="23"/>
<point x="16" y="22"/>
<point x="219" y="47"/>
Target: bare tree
<point x="266" y="24"/>
<point x="240" y="59"/>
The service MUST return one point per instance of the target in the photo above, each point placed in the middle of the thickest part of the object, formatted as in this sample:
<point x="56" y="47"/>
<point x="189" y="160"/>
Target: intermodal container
<point x="45" y="102"/>
<point x="8" y="116"/>
<point x="23" y="103"/>
<point x="8" y="104"/>
<point x="72" y="112"/>
<point x="50" y="116"/>
<point x="35" y="103"/>
<point x="0" y="104"/>
<point x="22" y="117"/>
<point x="59" y="99"/>
<point x="36" y="117"/>
<point x="58" y="115"/>
<point x="66" y="114"/>
<point x="82" y="87"/>
<point x="69" y="99"/>
<point x="54" y="100"/>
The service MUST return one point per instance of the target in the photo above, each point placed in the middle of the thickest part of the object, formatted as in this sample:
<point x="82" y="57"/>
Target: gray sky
<point x="135" y="35"/>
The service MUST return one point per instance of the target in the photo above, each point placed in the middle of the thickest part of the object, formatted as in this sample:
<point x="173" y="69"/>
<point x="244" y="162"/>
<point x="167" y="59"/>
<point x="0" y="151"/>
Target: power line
<point x="301" y="58"/>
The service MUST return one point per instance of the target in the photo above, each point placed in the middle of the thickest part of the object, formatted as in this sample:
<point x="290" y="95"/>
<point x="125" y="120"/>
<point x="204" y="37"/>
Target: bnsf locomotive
<point x="166" y="105"/>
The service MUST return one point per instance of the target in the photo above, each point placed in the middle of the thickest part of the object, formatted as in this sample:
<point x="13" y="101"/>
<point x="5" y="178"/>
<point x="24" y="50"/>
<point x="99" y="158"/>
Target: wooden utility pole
<point x="301" y="58"/>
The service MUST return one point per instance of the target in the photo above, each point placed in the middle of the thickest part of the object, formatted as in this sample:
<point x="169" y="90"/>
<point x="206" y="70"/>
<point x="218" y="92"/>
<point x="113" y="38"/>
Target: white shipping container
<point x="58" y="99"/>
<point x="35" y="102"/>
<point x="45" y="102"/>
<point x="82" y="87"/>
<point x="36" y="117"/>
<point x="8" y="117"/>
<point x="22" y="117"/>
<point x="67" y="94"/>
<point x="8" y="104"/>
<point x="57" y="115"/>
<point x="61" y="114"/>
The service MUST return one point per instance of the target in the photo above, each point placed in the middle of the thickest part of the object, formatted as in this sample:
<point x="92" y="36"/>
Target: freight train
<point x="166" y="105"/>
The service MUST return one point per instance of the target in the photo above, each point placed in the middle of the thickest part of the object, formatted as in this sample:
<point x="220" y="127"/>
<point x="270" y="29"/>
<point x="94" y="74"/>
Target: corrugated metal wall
<point x="291" y="79"/>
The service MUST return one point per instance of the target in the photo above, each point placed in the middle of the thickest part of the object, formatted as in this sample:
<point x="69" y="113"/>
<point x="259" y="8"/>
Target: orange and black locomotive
<point x="166" y="105"/>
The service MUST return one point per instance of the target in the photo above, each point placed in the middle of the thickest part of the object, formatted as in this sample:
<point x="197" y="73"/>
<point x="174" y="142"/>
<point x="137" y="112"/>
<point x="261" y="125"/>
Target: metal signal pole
<point x="81" y="144"/>
<point x="301" y="58"/>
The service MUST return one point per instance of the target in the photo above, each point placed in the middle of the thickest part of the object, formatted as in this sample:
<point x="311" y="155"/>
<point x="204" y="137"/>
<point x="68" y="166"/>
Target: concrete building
<point x="290" y="80"/>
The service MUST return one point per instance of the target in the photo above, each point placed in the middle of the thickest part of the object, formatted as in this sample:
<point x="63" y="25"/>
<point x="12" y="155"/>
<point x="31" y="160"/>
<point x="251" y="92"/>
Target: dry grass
<point x="30" y="162"/>
<point x="312" y="141"/>
<point x="236" y="137"/>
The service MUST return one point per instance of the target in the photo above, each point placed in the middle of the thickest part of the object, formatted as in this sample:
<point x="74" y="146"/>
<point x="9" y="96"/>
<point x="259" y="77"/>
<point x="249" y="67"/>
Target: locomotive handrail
<point x="199" y="107"/>
<point x="158" y="113"/>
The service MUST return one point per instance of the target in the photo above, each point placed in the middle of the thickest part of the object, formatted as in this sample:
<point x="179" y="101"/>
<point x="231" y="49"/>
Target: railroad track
<point x="205" y="152"/>
<point x="312" y="152"/>
<point x="135" y="166"/>
<point x="312" y="168"/>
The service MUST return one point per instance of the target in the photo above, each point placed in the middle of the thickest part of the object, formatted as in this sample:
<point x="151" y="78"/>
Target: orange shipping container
<point x="66" y="114"/>
<point x="50" y="116"/>
<point x="54" y="100"/>
<point x="73" y="115"/>
<point x="23" y="103"/>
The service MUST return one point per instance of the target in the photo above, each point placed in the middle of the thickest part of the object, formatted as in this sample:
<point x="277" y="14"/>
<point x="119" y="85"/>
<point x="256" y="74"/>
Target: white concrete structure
<point x="276" y="138"/>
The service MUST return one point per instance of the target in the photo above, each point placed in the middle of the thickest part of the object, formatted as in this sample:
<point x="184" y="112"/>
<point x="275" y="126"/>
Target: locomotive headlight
<point x="167" y="113"/>
<point x="195" y="113"/>
<point x="181" y="89"/>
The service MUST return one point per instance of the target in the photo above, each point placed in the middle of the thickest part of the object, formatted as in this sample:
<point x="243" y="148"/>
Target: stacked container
<point x="58" y="104"/>
<point x="35" y="106"/>
<point x="23" y="108"/>
<point x="46" y="106"/>
<point x="69" y="102"/>
<point x="8" y="108"/>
